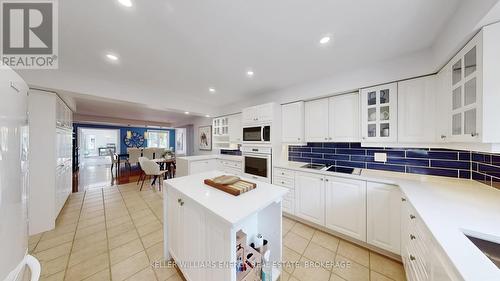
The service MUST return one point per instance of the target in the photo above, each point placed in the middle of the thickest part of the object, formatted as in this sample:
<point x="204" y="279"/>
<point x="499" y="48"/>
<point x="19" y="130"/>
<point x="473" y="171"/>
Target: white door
<point x="316" y="120"/>
<point x="379" y="113"/>
<point x="344" y="118"/>
<point x="346" y="206"/>
<point x="292" y="118"/>
<point x="310" y="201"/>
<point x="193" y="241"/>
<point x="384" y="216"/>
<point x="416" y="109"/>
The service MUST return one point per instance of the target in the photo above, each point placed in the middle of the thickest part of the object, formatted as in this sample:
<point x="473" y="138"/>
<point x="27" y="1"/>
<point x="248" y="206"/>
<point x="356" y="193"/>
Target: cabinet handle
<point x="282" y="182"/>
<point x="330" y="138"/>
<point x="412" y="217"/>
<point x="364" y="138"/>
<point x="321" y="179"/>
<point x="403" y="199"/>
<point x="182" y="203"/>
<point x="412" y="257"/>
<point x="179" y="200"/>
<point x="412" y="237"/>
<point x="282" y="173"/>
<point x="326" y="138"/>
<point x="298" y="138"/>
<point x="474" y="135"/>
<point x="443" y="137"/>
<point x="326" y="179"/>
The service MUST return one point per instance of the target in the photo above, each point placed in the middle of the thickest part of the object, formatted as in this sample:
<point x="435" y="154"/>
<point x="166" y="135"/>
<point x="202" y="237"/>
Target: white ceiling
<point x="171" y="52"/>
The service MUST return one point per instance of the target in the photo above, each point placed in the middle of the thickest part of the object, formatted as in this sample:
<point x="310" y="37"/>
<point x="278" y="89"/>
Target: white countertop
<point x="448" y="207"/>
<point x="212" y="156"/>
<point x="228" y="207"/>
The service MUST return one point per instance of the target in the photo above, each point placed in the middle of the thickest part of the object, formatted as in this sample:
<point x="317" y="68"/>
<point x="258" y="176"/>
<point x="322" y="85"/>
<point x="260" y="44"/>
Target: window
<point x="159" y="139"/>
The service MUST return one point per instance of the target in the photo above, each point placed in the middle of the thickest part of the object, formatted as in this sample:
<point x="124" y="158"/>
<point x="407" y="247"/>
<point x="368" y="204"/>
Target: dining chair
<point x="114" y="160"/>
<point x="148" y="152"/>
<point x="152" y="169"/>
<point x="159" y="152"/>
<point x="141" y="159"/>
<point x="133" y="157"/>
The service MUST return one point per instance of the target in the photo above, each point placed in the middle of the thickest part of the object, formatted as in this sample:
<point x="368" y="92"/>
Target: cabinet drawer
<point x="285" y="182"/>
<point x="231" y="164"/>
<point x="279" y="172"/>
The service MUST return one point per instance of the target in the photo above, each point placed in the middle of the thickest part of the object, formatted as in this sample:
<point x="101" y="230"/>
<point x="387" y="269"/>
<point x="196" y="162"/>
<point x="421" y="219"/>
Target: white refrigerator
<point x="15" y="263"/>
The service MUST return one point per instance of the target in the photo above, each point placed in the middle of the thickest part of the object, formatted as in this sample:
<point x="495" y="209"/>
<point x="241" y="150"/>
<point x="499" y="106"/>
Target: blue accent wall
<point x="123" y="133"/>
<point x="483" y="167"/>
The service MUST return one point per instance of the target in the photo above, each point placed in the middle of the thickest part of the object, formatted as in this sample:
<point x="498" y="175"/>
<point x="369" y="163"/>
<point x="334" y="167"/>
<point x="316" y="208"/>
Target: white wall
<point x="196" y="123"/>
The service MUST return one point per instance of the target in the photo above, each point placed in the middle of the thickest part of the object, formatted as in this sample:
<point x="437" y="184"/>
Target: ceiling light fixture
<point x="324" y="40"/>
<point x="207" y="116"/>
<point x="250" y="73"/>
<point x="126" y="3"/>
<point x="186" y="112"/>
<point x="211" y="90"/>
<point x="112" y="57"/>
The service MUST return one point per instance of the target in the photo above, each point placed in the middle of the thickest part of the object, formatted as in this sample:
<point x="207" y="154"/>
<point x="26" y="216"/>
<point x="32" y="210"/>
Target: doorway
<point x="96" y="147"/>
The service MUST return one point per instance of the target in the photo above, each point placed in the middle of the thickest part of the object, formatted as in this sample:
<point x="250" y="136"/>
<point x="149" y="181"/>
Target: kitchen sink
<point x="489" y="249"/>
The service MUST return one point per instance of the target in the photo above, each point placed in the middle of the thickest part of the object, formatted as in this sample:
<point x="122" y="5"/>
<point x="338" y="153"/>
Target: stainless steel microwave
<point x="257" y="134"/>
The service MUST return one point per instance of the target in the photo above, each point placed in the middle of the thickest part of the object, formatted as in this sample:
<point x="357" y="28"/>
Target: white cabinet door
<point x="316" y="120"/>
<point x="194" y="240"/>
<point x="379" y="113"/>
<point x="249" y="115"/>
<point x="173" y="221"/>
<point x="265" y="113"/>
<point x="344" y="118"/>
<point x="235" y="129"/>
<point x="465" y="94"/>
<point x="384" y="216"/>
<point x="443" y="106"/>
<point x="292" y="118"/>
<point x="346" y="206"/>
<point x="310" y="201"/>
<point x="416" y="109"/>
<point x="217" y="249"/>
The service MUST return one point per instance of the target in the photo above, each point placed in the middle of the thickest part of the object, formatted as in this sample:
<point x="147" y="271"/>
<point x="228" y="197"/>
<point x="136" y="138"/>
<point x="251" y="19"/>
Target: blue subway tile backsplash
<point x="482" y="167"/>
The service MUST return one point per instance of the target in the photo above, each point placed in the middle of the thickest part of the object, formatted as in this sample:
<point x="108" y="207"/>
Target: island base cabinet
<point x="310" y="192"/>
<point x="384" y="216"/>
<point x="194" y="238"/>
<point x="346" y="206"/>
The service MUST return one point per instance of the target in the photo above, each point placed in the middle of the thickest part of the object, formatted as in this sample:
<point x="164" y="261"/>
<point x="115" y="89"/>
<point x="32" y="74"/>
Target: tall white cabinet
<point x="50" y="159"/>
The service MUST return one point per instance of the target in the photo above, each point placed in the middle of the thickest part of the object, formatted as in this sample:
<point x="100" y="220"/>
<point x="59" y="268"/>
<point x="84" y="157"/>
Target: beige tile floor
<point x="115" y="233"/>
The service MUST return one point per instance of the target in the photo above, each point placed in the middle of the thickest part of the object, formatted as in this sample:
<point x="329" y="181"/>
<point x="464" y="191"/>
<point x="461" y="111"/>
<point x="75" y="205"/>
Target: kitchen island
<point x="202" y="224"/>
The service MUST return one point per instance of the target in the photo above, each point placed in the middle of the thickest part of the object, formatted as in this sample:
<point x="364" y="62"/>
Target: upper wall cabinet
<point x="470" y="90"/>
<point x="333" y="119"/>
<point x="292" y="116"/>
<point x="416" y="110"/>
<point x="258" y="114"/>
<point x="344" y="118"/>
<point x="235" y="130"/>
<point x="379" y="113"/>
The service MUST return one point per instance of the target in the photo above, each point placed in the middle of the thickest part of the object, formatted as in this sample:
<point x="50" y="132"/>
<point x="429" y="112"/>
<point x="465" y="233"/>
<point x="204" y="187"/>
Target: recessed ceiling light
<point x="211" y="90"/>
<point x="112" y="57"/>
<point x="207" y="116"/>
<point x="186" y="112"/>
<point x="250" y="73"/>
<point x="324" y="40"/>
<point x="126" y="3"/>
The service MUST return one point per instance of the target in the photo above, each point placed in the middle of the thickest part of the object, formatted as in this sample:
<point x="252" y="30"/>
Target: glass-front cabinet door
<point x="379" y="113"/>
<point x="464" y="96"/>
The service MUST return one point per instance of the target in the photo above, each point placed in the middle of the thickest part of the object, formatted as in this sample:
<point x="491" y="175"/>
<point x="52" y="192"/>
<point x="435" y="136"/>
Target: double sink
<point x="333" y="168"/>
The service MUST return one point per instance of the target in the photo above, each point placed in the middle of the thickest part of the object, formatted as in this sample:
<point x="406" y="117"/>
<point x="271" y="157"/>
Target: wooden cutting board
<point x="235" y="189"/>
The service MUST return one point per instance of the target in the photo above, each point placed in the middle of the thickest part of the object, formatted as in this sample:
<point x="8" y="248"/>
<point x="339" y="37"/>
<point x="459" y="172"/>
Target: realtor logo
<point x="29" y="34"/>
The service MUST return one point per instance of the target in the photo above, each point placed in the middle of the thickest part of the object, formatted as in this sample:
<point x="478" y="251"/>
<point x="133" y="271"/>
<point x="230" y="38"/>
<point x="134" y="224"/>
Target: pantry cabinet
<point x="416" y="110"/>
<point x="292" y="116"/>
<point x="310" y="192"/>
<point x="333" y="119"/>
<point x="379" y="113"/>
<point x="469" y="88"/>
<point x="346" y="206"/>
<point x="384" y="216"/>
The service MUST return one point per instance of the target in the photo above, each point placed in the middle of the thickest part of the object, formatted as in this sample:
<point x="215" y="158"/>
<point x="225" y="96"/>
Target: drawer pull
<point x="179" y="200"/>
<point x="412" y="257"/>
<point x="282" y="182"/>
<point x="412" y="217"/>
<point x="403" y="199"/>
<point x="412" y="237"/>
